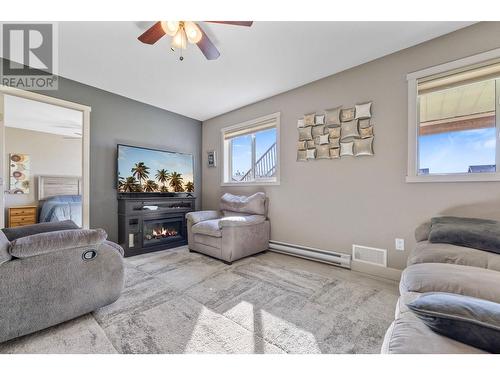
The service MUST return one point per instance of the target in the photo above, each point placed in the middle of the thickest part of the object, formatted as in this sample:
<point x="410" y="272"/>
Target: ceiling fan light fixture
<point x="193" y="32"/>
<point x="179" y="40"/>
<point x="170" y="27"/>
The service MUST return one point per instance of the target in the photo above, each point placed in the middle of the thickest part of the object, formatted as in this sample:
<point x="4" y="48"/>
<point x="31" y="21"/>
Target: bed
<point x="60" y="199"/>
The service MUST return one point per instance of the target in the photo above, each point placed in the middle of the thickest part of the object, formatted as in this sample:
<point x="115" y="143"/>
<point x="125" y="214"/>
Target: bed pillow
<point x="28" y="230"/>
<point x="468" y="232"/>
<point x="473" y="321"/>
<point x="4" y="249"/>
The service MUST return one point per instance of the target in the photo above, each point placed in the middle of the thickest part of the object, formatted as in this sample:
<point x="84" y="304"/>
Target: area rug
<point x="180" y="302"/>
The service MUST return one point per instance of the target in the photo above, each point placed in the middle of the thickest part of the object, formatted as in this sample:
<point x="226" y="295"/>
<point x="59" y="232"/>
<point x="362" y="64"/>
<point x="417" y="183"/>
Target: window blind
<point x="253" y="128"/>
<point x="460" y="77"/>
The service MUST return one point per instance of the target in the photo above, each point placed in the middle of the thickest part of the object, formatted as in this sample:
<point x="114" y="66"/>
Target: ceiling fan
<point x="183" y="32"/>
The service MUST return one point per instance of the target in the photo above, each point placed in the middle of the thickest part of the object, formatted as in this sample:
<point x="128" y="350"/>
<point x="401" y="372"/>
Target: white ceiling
<point x="42" y="117"/>
<point x="255" y="63"/>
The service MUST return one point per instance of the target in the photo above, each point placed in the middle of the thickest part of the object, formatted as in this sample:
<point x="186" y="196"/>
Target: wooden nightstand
<point x="22" y="215"/>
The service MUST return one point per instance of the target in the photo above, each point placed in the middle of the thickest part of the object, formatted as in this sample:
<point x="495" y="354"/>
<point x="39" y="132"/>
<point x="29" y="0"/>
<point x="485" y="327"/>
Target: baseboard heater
<point x="330" y="257"/>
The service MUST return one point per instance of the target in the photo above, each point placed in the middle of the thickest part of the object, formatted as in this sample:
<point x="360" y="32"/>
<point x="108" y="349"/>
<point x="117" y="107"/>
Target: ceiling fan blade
<point x="236" y="23"/>
<point x="207" y="47"/>
<point x="153" y="34"/>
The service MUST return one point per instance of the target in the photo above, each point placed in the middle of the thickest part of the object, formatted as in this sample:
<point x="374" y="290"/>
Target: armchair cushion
<point x="241" y="221"/>
<point x="4" y="248"/>
<point x="44" y="243"/>
<point x="207" y="227"/>
<point x="254" y="204"/>
<point x="198" y="216"/>
<point x="28" y="230"/>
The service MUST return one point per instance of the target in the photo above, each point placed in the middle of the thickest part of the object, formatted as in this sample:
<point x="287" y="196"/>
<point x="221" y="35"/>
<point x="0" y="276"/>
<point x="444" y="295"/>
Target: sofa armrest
<point x="197" y="216"/>
<point x="49" y="242"/>
<point x="115" y="247"/>
<point x="422" y="231"/>
<point x="241" y="221"/>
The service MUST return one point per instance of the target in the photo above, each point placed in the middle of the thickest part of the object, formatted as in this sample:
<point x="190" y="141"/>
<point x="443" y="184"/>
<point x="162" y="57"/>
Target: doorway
<point x="44" y="159"/>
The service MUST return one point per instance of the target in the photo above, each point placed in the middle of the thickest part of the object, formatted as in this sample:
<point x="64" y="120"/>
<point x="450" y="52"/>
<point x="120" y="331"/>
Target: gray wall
<point x="331" y="204"/>
<point x="116" y="119"/>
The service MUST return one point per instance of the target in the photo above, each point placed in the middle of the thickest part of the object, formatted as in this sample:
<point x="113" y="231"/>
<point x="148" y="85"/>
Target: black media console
<point x="150" y="222"/>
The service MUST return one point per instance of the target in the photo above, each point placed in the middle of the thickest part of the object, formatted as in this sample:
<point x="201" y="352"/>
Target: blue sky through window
<point x="454" y="152"/>
<point x="242" y="149"/>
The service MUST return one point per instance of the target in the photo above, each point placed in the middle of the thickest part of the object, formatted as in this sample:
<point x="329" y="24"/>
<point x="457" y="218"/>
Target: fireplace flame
<point x="164" y="232"/>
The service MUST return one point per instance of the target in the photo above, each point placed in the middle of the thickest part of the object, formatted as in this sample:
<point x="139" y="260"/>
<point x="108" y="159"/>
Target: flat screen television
<point x="145" y="170"/>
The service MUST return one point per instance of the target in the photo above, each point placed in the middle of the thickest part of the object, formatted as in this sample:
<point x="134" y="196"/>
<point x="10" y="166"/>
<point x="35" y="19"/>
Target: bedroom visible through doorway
<point x="43" y="167"/>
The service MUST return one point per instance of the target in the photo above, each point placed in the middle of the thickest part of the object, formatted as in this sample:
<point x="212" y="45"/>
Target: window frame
<point x="412" y="80"/>
<point x="226" y="152"/>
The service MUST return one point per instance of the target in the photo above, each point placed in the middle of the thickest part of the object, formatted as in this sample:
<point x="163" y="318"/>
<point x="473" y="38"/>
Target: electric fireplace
<point x="162" y="231"/>
<point x="152" y="223"/>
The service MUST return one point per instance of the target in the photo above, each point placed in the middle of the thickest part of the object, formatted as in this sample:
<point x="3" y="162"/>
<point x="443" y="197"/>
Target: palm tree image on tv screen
<point x="142" y="170"/>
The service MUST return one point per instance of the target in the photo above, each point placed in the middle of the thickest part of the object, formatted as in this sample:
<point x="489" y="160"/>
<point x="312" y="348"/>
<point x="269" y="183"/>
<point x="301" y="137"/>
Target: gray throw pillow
<point x="468" y="232"/>
<point x="473" y="321"/>
<point x="28" y="230"/>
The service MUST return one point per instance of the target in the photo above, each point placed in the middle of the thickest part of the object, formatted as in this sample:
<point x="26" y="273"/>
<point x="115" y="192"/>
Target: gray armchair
<point x="240" y="229"/>
<point x="48" y="278"/>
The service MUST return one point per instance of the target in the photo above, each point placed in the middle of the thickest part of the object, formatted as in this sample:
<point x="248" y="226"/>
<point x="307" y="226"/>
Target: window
<point x="251" y="152"/>
<point x="454" y="122"/>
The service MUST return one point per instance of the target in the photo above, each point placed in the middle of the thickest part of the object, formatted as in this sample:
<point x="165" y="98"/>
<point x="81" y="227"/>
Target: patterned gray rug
<point x="179" y="302"/>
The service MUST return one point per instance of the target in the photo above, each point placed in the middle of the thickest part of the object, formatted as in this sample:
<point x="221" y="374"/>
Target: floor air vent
<point x="330" y="257"/>
<point x="369" y="255"/>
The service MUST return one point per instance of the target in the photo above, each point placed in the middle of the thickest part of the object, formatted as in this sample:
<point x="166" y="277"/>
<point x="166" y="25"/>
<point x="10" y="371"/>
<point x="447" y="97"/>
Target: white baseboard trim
<point x="343" y="259"/>
<point x="338" y="259"/>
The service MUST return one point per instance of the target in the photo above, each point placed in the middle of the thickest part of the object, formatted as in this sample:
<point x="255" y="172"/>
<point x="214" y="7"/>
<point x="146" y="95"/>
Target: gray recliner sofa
<point x="49" y="278"/>
<point x="439" y="267"/>
<point x="239" y="230"/>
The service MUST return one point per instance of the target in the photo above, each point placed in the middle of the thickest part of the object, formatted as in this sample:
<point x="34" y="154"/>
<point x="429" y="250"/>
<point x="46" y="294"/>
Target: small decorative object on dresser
<point x="22" y="215"/>
<point x="211" y="159"/>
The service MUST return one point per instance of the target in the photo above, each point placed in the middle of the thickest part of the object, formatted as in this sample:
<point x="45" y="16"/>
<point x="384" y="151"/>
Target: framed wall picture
<point x="211" y="159"/>
<point x="19" y="173"/>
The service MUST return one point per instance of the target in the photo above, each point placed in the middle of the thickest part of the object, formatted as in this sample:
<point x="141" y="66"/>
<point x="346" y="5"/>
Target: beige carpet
<point x="179" y="302"/>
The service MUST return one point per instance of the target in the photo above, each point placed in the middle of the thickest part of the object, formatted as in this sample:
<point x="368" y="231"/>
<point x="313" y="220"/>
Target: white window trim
<point x="412" y="78"/>
<point x="225" y="150"/>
